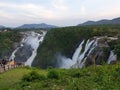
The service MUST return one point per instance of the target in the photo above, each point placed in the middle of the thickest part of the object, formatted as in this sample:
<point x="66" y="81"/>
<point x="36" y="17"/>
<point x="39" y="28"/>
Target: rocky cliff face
<point x="100" y="53"/>
<point x="95" y="51"/>
<point x="27" y="49"/>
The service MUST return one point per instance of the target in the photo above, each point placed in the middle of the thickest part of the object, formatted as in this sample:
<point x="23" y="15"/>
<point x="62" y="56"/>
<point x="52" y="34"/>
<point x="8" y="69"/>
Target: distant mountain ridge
<point x="42" y="25"/>
<point x="2" y="26"/>
<point x="101" y="22"/>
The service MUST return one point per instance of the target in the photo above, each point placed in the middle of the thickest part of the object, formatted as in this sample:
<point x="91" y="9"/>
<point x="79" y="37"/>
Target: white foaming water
<point x="112" y="57"/>
<point x="93" y="47"/>
<point x="12" y="57"/>
<point x="30" y="60"/>
<point x="82" y="63"/>
<point x="77" y="58"/>
<point x="77" y="52"/>
<point x="33" y="39"/>
<point x="13" y="54"/>
<point x="66" y="62"/>
<point x="87" y="47"/>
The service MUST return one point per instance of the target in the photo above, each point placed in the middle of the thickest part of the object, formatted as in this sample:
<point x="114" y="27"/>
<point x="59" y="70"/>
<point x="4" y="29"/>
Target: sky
<point x="56" y="12"/>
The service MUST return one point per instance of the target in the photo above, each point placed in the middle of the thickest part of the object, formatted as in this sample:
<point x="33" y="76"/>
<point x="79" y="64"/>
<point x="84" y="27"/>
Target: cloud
<point x="59" y="5"/>
<point x="56" y="11"/>
<point x="83" y="10"/>
<point x="29" y="10"/>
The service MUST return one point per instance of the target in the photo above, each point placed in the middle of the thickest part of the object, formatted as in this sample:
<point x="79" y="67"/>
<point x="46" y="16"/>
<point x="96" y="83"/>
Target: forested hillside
<point x="7" y="41"/>
<point x="66" y="40"/>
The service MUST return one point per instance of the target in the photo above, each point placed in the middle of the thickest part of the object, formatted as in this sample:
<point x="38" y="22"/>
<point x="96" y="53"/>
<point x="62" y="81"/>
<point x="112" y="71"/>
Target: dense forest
<point x="7" y="41"/>
<point x="65" y="40"/>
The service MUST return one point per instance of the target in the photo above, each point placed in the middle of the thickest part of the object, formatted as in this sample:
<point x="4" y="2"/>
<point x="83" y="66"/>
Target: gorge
<point x="93" y="53"/>
<point x="27" y="49"/>
<point x="70" y="47"/>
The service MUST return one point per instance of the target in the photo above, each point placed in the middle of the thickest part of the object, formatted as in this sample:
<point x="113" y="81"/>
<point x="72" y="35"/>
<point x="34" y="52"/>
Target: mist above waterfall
<point x="92" y="52"/>
<point x="77" y="57"/>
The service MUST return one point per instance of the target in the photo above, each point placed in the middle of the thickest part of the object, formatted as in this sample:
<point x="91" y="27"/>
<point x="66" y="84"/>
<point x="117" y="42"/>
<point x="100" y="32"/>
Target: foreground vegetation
<point x="66" y="40"/>
<point x="106" y="77"/>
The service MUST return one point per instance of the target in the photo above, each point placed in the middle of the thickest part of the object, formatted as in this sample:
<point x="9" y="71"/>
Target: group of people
<point x="6" y="62"/>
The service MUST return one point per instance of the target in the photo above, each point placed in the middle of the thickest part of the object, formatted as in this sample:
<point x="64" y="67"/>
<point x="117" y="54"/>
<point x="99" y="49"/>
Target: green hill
<point x="115" y="21"/>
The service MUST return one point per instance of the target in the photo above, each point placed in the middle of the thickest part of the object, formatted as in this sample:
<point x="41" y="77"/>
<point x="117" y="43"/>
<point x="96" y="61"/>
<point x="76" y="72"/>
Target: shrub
<point x="32" y="76"/>
<point x="76" y="74"/>
<point x="53" y="74"/>
<point x="50" y="67"/>
<point x="117" y="50"/>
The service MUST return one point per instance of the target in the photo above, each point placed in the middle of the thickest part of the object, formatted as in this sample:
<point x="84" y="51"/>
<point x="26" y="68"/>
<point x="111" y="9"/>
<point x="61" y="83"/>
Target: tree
<point x="117" y="50"/>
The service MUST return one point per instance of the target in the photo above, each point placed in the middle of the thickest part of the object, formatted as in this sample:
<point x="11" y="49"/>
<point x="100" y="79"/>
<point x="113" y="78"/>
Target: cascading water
<point x="77" y="59"/>
<point x="92" y="51"/>
<point x="64" y="61"/>
<point x="93" y="47"/>
<point x="12" y="57"/>
<point x="87" y="47"/>
<point x="28" y="48"/>
<point x="77" y="52"/>
<point x="35" y="47"/>
<point x="112" y="57"/>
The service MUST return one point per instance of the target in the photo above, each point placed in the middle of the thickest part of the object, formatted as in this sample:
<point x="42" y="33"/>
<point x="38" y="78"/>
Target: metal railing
<point x="4" y="68"/>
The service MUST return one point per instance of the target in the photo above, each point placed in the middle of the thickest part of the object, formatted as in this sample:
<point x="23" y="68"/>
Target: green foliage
<point x="106" y="77"/>
<point x="7" y="39"/>
<point x="66" y="40"/>
<point x="76" y="75"/>
<point x="32" y="76"/>
<point x="53" y="74"/>
<point x="117" y="50"/>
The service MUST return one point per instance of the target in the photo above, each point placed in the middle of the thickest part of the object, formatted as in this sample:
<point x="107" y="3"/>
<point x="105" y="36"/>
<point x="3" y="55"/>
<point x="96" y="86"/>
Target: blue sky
<point x="56" y="12"/>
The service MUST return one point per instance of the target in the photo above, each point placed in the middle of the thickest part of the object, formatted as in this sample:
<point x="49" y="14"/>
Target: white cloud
<point x="56" y="11"/>
<point x="83" y="10"/>
<point x="59" y="5"/>
<point x="29" y="10"/>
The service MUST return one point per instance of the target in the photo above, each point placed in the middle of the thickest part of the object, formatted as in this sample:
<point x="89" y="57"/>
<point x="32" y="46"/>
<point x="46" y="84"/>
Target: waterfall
<point x="35" y="46"/>
<point x="64" y="62"/>
<point x="28" y="48"/>
<point x="12" y="57"/>
<point x="30" y="60"/>
<point x="82" y="56"/>
<point x="78" y="58"/>
<point x="93" y="47"/>
<point x="77" y="52"/>
<point x="85" y="55"/>
<point x="112" y="57"/>
<point x="67" y="62"/>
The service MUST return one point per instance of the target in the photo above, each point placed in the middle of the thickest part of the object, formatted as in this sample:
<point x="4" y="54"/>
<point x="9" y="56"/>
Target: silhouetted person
<point x="4" y="62"/>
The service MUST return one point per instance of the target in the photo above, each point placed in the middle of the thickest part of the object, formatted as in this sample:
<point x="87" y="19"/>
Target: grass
<point x="106" y="77"/>
<point x="9" y="78"/>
